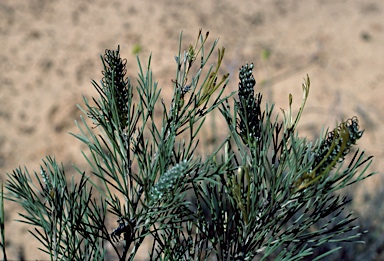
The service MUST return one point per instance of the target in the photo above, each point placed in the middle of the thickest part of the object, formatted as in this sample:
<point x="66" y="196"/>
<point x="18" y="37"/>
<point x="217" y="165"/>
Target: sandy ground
<point x="50" y="51"/>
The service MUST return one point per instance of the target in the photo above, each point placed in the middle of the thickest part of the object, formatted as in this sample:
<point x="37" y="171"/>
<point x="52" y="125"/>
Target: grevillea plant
<point x="260" y="195"/>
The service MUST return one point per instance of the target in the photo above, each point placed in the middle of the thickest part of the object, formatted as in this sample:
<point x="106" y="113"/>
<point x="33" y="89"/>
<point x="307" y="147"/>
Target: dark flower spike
<point x="249" y="107"/>
<point x="333" y="149"/>
<point x="351" y="127"/>
<point x="247" y="82"/>
<point x="115" y="83"/>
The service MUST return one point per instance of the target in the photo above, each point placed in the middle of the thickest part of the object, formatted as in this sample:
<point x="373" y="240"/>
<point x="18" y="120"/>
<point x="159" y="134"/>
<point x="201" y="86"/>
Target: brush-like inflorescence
<point x="169" y="180"/>
<point x="249" y="106"/>
<point x="115" y="82"/>
<point x="337" y="143"/>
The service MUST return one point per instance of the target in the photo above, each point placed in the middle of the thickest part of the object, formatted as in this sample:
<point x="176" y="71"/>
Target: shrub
<point x="264" y="193"/>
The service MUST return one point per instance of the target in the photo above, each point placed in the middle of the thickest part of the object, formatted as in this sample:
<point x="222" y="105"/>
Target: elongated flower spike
<point x="116" y="84"/>
<point x="331" y="150"/>
<point x="350" y="129"/>
<point x="169" y="181"/>
<point x="249" y="107"/>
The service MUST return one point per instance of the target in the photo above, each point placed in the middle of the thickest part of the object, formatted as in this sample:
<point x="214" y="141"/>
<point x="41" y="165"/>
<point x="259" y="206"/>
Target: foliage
<point x="260" y="195"/>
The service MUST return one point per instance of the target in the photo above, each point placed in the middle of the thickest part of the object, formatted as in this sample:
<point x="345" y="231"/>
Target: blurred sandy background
<point x="49" y="51"/>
